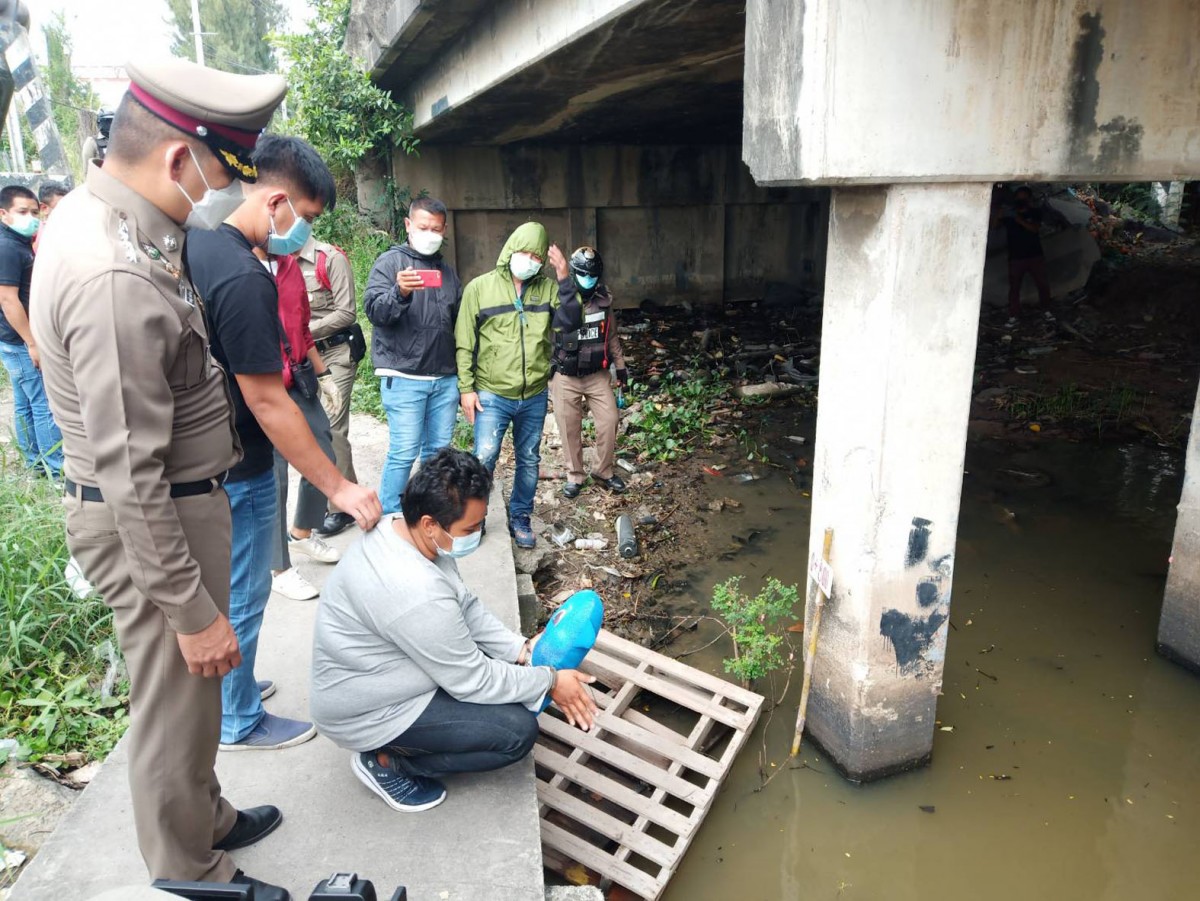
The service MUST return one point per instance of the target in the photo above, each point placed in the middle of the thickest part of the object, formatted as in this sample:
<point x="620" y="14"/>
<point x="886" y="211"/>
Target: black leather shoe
<point x="334" y="524"/>
<point x="251" y="825"/>
<point x="615" y="484"/>
<point x="572" y="489"/>
<point x="263" y="891"/>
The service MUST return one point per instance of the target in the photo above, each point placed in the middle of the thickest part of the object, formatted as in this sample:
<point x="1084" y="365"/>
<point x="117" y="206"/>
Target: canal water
<point x="1069" y="771"/>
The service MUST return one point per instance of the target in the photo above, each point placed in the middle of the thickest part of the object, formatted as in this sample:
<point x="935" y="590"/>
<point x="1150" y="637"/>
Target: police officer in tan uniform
<point x="330" y="283"/>
<point x="148" y="435"/>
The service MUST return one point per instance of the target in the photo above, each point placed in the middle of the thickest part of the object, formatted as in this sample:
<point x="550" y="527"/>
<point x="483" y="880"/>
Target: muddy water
<point x="1056" y="595"/>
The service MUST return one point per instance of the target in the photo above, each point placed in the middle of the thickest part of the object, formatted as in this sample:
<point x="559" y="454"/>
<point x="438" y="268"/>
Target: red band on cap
<point x="189" y="124"/>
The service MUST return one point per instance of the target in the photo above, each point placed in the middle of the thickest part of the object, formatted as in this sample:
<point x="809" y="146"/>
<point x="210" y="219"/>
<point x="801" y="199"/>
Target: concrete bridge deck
<point x="483" y="843"/>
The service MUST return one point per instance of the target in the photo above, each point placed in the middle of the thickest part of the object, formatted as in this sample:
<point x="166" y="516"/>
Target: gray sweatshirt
<point x="392" y="628"/>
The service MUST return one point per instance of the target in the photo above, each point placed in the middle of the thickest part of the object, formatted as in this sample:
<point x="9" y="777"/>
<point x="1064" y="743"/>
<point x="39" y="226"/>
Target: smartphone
<point x="430" y="278"/>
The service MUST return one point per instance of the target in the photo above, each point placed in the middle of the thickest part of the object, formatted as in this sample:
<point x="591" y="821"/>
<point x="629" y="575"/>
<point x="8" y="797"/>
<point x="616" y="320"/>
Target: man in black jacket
<point x="412" y="300"/>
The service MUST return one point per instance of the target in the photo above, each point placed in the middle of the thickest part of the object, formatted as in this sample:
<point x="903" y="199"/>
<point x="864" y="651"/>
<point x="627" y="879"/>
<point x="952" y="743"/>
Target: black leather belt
<point x="178" y="489"/>
<point x="334" y="340"/>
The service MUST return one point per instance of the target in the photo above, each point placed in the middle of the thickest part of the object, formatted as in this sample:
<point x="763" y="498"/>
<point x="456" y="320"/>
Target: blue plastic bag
<point x="570" y="633"/>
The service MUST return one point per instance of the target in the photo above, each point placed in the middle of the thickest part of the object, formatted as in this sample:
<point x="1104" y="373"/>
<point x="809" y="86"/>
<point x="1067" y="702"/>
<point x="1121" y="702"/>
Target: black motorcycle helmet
<point x="104" y="121"/>
<point x="586" y="262"/>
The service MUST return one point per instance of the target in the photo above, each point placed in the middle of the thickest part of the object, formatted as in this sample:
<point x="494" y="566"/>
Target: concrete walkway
<point x="481" y="844"/>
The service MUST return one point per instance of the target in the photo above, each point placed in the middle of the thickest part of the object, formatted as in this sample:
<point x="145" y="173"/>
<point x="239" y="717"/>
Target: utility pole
<point x="196" y="31"/>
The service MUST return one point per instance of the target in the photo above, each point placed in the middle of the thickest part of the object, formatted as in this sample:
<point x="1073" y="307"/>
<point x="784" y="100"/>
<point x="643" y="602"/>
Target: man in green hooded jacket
<point x="502" y="339"/>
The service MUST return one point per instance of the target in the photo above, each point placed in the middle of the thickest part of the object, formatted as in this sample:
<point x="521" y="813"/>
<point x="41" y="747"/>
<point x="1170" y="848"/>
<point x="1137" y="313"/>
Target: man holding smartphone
<point x="412" y="300"/>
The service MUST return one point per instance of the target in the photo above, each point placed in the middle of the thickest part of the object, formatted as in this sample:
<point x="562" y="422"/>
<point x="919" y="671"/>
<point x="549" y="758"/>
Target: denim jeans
<point x="38" y="437"/>
<point x="420" y="414"/>
<point x="252" y="505"/>
<point x="310" y="502"/>
<point x="527" y="418"/>
<point x="457" y="737"/>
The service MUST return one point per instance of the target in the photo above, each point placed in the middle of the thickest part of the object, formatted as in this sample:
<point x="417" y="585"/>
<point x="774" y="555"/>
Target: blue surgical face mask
<point x="460" y="545"/>
<point x="587" y="282"/>
<point x="24" y="224"/>
<point x="295" y="238"/>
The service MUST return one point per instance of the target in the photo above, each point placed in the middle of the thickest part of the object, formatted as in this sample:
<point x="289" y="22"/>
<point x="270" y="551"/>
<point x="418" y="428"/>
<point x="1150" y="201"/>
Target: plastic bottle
<point x="570" y="633"/>
<point x="627" y="543"/>
<point x="591" y="544"/>
<point x="621" y="402"/>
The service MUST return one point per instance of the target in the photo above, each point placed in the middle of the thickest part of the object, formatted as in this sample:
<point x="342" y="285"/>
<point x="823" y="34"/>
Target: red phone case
<point x="430" y="278"/>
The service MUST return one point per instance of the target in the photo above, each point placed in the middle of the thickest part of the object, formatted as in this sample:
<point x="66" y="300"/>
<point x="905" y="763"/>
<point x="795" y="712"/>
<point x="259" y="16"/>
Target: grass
<point x="59" y="697"/>
<point x="1071" y="404"/>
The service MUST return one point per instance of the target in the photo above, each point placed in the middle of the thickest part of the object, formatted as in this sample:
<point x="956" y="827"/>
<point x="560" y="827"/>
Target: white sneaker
<point x="291" y="584"/>
<point x="314" y="547"/>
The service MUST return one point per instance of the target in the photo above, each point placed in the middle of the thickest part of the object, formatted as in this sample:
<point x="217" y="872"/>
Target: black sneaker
<point x="615" y="483"/>
<point x="409" y="794"/>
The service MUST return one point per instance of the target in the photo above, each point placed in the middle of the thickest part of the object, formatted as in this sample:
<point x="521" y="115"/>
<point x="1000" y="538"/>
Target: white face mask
<point x="523" y="266"/>
<point x="426" y="242"/>
<point x="215" y="206"/>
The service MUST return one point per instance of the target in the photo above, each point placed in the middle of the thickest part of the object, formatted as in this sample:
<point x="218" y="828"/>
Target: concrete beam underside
<point x="903" y="281"/>
<point x="481" y="844"/>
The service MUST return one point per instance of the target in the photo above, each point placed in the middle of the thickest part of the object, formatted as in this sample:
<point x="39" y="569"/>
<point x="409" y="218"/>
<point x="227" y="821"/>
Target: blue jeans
<point x="458" y="737"/>
<point x="420" y="414"/>
<point x="38" y="437"/>
<point x="527" y="418"/>
<point x="252" y="505"/>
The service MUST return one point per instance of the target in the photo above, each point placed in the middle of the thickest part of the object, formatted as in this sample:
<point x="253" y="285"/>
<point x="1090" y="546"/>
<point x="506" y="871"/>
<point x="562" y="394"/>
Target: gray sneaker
<point x="272" y="733"/>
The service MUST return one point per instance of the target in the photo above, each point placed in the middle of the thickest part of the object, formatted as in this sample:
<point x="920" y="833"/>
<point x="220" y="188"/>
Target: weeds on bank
<point x="1095" y="408"/>
<point x="674" y="418"/>
<point x="58" y="694"/>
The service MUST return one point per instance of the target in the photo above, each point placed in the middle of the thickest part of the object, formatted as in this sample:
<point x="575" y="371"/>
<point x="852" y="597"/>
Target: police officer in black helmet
<point x="586" y="348"/>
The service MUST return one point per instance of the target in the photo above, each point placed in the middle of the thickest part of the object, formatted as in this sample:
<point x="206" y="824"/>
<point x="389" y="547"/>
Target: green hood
<point x="528" y="238"/>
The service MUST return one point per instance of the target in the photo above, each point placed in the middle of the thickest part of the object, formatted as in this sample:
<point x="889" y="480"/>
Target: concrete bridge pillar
<point x="903" y="280"/>
<point x="1179" y="624"/>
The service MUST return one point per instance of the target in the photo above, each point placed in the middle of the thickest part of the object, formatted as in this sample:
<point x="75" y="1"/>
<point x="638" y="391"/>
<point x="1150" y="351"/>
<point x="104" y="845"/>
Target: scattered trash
<point x="561" y="535"/>
<point x="11" y="858"/>
<point x="590" y="544"/>
<point x="712" y="471"/>
<point x="768" y="389"/>
<point x="927" y="808"/>
<point x="82" y="588"/>
<point x="1024" y="370"/>
<point x="1000" y="777"/>
<point x="626" y="465"/>
<point x="627" y="544"/>
<point x="797" y="439"/>
<point x="743" y="477"/>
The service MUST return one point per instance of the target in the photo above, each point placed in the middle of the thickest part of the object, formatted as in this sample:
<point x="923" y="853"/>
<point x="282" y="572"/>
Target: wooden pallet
<point x="626" y="799"/>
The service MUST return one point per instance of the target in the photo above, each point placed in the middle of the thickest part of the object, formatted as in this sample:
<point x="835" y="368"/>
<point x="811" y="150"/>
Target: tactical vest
<point x="584" y="350"/>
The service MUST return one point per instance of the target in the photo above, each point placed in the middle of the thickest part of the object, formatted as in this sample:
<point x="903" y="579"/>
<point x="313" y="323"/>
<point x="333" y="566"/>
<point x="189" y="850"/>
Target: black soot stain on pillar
<point x="909" y="635"/>
<point x="918" y="541"/>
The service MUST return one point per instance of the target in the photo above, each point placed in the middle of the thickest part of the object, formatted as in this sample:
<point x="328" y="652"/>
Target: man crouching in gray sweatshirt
<point x="410" y="670"/>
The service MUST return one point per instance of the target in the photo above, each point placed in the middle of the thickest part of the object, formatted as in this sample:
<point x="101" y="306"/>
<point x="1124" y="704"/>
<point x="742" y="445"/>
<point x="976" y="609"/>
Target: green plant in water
<point x="675" y="418"/>
<point x="755" y="625"/>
